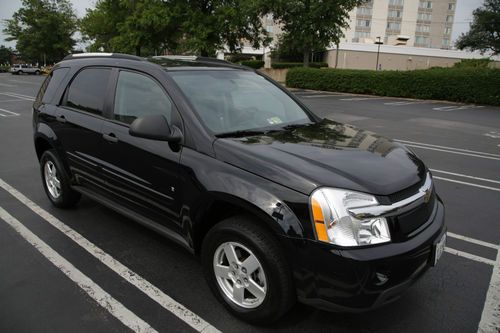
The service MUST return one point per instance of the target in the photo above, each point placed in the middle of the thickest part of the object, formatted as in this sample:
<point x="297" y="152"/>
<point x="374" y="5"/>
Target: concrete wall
<point x="356" y="59"/>
<point x="276" y="74"/>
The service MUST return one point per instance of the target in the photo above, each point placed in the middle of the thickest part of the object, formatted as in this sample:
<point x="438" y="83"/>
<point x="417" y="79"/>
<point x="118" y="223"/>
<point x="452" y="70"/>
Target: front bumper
<point x="356" y="280"/>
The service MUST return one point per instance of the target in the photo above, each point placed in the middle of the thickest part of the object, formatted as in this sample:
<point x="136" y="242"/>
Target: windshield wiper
<point x="240" y="133"/>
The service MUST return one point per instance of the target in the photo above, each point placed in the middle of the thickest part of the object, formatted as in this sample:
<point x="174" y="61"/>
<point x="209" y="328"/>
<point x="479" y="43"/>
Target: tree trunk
<point x="307" y="51"/>
<point x="138" y="51"/>
<point x="204" y="53"/>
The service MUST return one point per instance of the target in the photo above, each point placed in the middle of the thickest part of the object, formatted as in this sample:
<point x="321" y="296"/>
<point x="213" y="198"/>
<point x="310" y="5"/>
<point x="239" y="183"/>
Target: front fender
<point x="211" y="180"/>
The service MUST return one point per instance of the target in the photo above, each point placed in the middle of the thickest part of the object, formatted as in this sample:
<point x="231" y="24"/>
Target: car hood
<point x="326" y="153"/>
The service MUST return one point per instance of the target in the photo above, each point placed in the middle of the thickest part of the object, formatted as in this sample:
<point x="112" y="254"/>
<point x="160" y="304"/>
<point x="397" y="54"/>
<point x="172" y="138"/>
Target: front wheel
<point x="37" y="72"/>
<point x="56" y="181"/>
<point x="247" y="271"/>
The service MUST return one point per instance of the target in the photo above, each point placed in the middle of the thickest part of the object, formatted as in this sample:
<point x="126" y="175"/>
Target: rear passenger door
<point x="79" y="120"/>
<point x="141" y="173"/>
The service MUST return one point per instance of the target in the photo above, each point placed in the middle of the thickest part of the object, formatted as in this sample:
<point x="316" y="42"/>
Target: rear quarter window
<point x="50" y="85"/>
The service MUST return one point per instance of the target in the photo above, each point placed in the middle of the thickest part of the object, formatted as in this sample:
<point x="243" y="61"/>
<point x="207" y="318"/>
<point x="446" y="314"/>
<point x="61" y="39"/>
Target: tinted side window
<point x="50" y="85"/>
<point x="88" y="90"/>
<point x="138" y="95"/>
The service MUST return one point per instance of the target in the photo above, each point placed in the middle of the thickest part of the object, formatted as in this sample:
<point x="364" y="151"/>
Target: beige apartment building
<point x="416" y="23"/>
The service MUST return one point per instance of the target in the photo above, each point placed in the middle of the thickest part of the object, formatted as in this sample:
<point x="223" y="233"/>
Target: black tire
<point x="20" y="72"/>
<point x="280" y="295"/>
<point x="67" y="197"/>
<point x="37" y="72"/>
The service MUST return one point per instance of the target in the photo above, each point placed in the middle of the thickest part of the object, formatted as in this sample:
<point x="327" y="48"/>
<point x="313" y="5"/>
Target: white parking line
<point x="469" y="256"/>
<point x="7" y="85"/>
<point x="123" y="271"/>
<point x="408" y="103"/>
<point x="18" y="96"/>
<point x="474" y="241"/>
<point x="317" y="96"/>
<point x="490" y="318"/>
<point x="25" y="82"/>
<point x="457" y="107"/>
<point x="467" y="183"/>
<point x="7" y="113"/>
<point x="114" y="307"/>
<point x="22" y="95"/>
<point x="466" y="176"/>
<point x="362" y="98"/>
<point x="447" y="148"/>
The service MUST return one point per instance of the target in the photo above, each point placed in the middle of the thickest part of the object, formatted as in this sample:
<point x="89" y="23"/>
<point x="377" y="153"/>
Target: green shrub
<point x="256" y="64"/>
<point x="278" y="65"/>
<point x="238" y="57"/>
<point x="474" y="63"/>
<point x="468" y="85"/>
<point x="4" y="68"/>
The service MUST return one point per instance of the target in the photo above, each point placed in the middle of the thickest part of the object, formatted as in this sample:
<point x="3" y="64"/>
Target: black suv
<point x="279" y="204"/>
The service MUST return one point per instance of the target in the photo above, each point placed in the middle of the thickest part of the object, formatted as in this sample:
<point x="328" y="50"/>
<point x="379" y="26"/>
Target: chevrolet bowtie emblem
<point x="427" y="195"/>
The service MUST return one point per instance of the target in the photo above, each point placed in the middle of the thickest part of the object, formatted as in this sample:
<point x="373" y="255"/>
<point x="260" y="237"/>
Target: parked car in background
<point x="24" y="69"/>
<point x="279" y="204"/>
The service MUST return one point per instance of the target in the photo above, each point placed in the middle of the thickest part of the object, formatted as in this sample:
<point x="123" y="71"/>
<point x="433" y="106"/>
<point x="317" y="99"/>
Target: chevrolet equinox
<point x="279" y="205"/>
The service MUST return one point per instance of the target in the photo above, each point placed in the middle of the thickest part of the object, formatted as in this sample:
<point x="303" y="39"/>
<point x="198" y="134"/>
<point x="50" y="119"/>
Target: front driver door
<point x="141" y="173"/>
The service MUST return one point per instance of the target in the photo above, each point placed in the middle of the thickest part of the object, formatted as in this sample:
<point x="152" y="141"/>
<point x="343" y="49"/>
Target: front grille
<point x="414" y="219"/>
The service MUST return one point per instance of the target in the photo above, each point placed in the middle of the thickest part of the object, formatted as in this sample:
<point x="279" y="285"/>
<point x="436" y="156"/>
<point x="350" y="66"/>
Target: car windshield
<point x="236" y="101"/>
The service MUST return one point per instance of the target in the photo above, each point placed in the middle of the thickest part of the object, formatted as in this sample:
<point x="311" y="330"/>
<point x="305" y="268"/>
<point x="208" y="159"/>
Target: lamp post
<point x="378" y="42"/>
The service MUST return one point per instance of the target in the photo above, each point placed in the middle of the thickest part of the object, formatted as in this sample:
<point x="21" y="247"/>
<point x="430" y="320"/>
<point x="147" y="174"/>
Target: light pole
<point x="378" y="42"/>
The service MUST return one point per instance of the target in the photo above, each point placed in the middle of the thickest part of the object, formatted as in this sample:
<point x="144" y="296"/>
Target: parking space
<point x="90" y="269"/>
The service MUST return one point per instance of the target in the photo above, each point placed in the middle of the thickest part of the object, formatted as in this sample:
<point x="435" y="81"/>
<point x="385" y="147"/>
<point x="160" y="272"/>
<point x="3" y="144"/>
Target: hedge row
<point x="468" y="85"/>
<point x="256" y="64"/>
<point x="278" y="65"/>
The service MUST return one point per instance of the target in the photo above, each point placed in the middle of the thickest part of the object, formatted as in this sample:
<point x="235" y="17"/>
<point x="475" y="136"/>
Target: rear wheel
<point x="37" y="72"/>
<point x="247" y="271"/>
<point x="56" y="181"/>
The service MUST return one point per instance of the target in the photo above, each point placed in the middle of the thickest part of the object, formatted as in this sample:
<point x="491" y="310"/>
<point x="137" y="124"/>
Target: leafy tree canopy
<point x="484" y="33"/>
<point x="42" y="29"/>
<point x="142" y="26"/>
<point x="195" y="26"/>
<point x="311" y="24"/>
<point x="5" y="53"/>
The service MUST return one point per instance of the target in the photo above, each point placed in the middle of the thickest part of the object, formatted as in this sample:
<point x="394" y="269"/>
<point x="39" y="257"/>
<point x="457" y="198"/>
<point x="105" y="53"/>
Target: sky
<point x="463" y="14"/>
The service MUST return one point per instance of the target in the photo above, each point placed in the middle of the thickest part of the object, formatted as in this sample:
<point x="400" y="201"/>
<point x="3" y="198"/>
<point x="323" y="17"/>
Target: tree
<point x="42" y="29"/>
<point x="212" y="25"/>
<point x="141" y="26"/>
<point x="312" y="24"/>
<point x="191" y="26"/>
<point x="5" y="54"/>
<point x="484" y="33"/>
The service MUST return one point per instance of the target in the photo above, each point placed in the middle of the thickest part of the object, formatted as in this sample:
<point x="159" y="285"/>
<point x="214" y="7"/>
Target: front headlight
<point x="333" y="223"/>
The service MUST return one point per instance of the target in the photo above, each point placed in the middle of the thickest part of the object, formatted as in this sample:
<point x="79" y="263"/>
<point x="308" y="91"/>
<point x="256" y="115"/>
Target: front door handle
<point x="61" y="119"/>
<point x="111" y="137"/>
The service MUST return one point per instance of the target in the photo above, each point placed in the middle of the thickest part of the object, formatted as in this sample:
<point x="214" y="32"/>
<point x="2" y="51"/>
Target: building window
<point x="363" y="23"/>
<point x="361" y="34"/>
<point x="447" y="30"/>
<point x="364" y="11"/>
<point x="424" y="16"/>
<point x="393" y="25"/>
<point x="446" y="42"/>
<point x="449" y="19"/>
<point x="426" y="4"/>
<point x="451" y="6"/>
<point x="396" y="2"/>
<point x="423" y="28"/>
<point x="422" y="40"/>
<point x="395" y="13"/>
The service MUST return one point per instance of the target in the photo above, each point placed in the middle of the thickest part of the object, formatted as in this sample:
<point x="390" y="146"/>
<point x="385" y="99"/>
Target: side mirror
<point x="155" y="127"/>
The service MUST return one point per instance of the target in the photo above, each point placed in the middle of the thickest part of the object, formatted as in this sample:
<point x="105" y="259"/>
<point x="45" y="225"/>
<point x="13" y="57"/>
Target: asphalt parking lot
<point x="90" y="269"/>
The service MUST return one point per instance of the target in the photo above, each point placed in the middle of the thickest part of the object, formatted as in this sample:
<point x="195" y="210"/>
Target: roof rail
<point x="199" y="60"/>
<point x="102" y="55"/>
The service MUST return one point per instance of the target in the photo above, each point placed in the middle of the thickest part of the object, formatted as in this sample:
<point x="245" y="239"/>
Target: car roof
<point x="167" y="62"/>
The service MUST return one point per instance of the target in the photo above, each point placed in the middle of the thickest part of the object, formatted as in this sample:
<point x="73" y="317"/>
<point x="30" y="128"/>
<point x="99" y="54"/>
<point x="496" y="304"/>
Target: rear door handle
<point x="61" y="119"/>
<point x="111" y="137"/>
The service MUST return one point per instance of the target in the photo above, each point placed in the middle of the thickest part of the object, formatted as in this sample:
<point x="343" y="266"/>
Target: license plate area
<point x="438" y="249"/>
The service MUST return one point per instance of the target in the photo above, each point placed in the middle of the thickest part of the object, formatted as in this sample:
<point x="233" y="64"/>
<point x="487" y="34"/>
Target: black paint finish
<point x="177" y="187"/>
